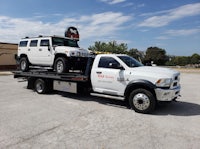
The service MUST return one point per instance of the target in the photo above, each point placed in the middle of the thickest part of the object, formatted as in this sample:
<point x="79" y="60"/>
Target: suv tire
<point x="142" y="101"/>
<point x="23" y="64"/>
<point x="61" y="65"/>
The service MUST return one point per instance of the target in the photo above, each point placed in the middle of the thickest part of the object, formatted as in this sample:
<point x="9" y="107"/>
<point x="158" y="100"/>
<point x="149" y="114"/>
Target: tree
<point x="98" y="46"/>
<point x="112" y="47"/>
<point x="136" y="54"/>
<point x="195" y="59"/>
<point x="157" y="55"/>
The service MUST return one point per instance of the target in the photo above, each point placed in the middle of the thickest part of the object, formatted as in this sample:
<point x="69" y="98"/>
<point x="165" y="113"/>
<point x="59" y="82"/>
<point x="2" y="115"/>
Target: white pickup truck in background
<point x="112" y="75"/>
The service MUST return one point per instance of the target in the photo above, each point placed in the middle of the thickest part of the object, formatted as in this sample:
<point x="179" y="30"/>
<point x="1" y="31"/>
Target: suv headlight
<point x="165" y="82"/>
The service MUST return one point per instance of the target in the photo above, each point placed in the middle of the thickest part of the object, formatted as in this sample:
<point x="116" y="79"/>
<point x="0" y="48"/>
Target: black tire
<point x="142" y="101"/>
<point x="24" y="64"/>
<point x="61" y="65"/>
<point x="40" y="86"/>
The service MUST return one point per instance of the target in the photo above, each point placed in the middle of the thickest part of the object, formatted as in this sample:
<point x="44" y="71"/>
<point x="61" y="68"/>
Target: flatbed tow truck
<point x="111" y="75"/>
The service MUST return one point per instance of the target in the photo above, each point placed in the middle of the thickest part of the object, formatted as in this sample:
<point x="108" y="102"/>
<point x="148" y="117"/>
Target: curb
<point x="3" y="73"/>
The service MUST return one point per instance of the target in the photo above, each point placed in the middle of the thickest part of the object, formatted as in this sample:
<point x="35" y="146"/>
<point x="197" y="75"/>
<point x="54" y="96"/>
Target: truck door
<point x="109" y="77"/>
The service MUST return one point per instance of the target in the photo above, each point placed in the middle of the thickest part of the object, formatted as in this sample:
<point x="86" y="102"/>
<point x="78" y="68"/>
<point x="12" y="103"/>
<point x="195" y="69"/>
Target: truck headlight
<point x="165" y="82"/>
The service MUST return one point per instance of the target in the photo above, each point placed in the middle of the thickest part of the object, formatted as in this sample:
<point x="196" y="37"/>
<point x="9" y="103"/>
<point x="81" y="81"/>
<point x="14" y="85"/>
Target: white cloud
<point x="111" y="2"/>
<point x="172" y="15"/>
<point x="162" y="38"/>
<point x="182" y="32"/>
<point x="90" y="27"/>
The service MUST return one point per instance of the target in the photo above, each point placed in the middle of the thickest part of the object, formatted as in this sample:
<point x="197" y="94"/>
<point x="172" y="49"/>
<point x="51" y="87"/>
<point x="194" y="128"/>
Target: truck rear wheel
<point x="61" y="65"/>
<point x="142" y="101"/>
<point x="40" y="86"/>
<point x="24" y="64"/>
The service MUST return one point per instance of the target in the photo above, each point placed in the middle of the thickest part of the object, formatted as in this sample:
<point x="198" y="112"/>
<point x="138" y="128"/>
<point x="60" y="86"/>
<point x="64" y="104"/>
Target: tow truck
<point x="111" y="75"/>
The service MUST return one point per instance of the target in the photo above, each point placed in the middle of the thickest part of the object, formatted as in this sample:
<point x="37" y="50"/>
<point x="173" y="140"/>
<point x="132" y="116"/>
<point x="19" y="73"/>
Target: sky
<point x="173" y="25"/>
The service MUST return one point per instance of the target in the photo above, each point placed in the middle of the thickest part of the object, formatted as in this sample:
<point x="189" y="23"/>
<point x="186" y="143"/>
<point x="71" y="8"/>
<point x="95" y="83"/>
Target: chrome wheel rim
<point x="141" y="101"/>
<point x="39" y="87"/>
<point x="59" y="66"/>
<point x="23" y="65"/>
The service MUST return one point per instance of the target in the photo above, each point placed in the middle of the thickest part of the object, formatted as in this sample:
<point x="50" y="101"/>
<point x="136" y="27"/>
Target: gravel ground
<point x="62" y="120"/>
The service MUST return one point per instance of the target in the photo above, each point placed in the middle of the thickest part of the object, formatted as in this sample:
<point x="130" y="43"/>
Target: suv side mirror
<point x="49" y="47"/>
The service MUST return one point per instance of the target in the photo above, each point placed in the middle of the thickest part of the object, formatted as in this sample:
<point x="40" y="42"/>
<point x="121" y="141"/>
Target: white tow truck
<point x="112" y="75"/>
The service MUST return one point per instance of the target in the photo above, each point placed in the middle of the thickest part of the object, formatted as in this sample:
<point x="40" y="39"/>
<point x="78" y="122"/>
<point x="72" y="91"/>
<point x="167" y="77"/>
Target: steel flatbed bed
<point x="71" y="76"/>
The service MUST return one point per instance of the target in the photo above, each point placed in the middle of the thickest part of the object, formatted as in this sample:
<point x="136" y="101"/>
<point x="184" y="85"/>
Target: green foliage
<point x="157" y="55"/>
<point x="112" y="47"/>
<point x="184" y="60"/>
<point x="195" y="59"/>
<point x="136" y="54"/>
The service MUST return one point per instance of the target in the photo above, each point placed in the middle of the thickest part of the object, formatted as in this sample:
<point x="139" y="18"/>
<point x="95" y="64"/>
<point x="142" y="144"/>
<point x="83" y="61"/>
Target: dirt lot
<point x="58" y="120"/>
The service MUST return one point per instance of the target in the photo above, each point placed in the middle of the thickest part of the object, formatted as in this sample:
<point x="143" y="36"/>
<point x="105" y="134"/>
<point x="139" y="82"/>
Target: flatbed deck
<point x="71" y="76"/>
<point x="45" y="74"/>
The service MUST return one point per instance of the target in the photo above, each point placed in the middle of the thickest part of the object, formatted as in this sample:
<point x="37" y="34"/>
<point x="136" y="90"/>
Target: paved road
<point x="58" y="120"/>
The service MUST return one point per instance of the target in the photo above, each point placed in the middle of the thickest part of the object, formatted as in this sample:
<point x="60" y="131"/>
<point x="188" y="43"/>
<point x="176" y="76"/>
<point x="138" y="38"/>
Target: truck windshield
<point x="64" y="42"/>
<point x="130" y="62"/>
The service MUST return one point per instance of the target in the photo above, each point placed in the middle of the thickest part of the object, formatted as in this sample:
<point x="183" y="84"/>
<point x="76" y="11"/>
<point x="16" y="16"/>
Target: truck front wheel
<point x="142" y="101"/>
<point x="61" y="65"/>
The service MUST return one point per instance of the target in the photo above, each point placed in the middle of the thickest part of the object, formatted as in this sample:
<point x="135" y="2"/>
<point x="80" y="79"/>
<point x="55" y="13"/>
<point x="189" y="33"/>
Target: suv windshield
<point x="130" y="62"/>
<point x="64" y="42"/>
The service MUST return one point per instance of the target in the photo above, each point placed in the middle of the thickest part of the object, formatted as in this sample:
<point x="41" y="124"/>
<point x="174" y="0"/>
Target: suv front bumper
<point x="167" y="94"/>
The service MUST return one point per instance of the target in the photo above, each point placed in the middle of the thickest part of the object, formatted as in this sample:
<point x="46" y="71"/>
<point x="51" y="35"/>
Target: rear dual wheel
<point x="43" y="86"/>
<point x="40" y="86"/>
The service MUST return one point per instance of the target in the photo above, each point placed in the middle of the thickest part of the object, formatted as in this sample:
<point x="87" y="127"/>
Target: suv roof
<point x="40" y="36"/>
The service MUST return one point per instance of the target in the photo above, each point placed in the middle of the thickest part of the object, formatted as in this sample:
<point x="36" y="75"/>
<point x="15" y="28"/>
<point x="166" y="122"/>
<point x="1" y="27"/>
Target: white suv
<point x="60" y="53"/>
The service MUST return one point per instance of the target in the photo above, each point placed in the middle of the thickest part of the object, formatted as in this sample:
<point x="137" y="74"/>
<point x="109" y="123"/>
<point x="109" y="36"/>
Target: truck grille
<point x="176" y="81"/>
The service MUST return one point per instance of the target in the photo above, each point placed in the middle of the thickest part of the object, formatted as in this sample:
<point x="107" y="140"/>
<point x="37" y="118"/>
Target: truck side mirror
<point x="116" y="66"/>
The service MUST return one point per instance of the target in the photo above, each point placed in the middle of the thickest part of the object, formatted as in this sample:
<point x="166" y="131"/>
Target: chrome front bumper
<point x="167" y="94"/>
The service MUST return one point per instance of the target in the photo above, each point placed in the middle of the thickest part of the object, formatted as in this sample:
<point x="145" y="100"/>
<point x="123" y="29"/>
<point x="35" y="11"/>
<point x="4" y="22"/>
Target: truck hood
<point x="153" y="73"/>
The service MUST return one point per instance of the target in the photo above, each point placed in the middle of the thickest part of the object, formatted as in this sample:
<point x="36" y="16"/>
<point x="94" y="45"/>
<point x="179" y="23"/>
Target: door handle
<point x="29" y="49"/>
<point x="40" y="49"/>
<point x="98" y="72"/>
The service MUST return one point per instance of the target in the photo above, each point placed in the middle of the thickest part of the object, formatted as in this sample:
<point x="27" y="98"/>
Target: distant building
<point x="7" y="55"/>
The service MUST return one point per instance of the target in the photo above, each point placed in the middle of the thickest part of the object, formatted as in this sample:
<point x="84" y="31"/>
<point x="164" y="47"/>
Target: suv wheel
<point x="142" y="101"/>
<point x="61" y="65"/>
<point x="24" y="64"/>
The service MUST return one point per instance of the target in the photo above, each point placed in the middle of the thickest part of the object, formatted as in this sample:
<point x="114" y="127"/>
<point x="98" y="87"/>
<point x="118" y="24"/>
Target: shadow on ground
<point x="179" y="108"/>
<point x="101" y="100"/>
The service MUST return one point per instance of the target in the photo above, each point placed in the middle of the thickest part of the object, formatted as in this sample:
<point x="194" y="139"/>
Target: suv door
<point x="109" y="77"/>
<point x="33" y="51"/>
<point x="45" y="52"/>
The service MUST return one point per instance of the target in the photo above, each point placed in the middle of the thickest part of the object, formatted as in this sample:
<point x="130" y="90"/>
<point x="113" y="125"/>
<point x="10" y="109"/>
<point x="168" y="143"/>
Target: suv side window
<point x="44" y="42"/>
<point x="108" y="62"/>
<point x="23" y="43"/>
<point x="33" y="43"/>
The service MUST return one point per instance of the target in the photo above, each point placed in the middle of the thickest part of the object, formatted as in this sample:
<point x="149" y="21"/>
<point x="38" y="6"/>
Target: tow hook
<point x="176" y="98"/>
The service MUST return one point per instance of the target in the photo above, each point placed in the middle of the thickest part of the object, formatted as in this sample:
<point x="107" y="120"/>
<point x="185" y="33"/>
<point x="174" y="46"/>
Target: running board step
<point x="107" y="96"/>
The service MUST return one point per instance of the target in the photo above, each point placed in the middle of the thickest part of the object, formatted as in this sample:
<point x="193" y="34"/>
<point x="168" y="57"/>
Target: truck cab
<point x="142" y="86"/>
<point x="59" y="53"/>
